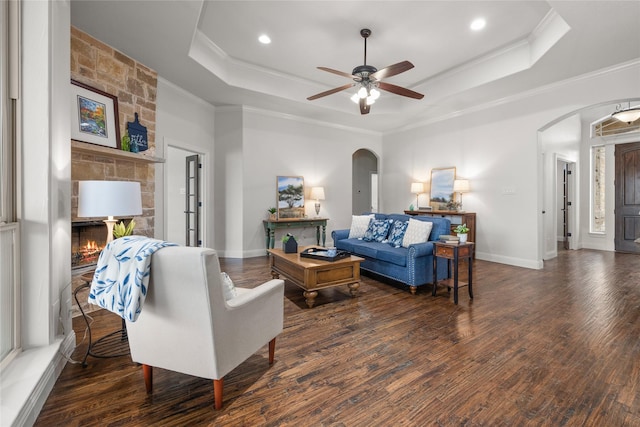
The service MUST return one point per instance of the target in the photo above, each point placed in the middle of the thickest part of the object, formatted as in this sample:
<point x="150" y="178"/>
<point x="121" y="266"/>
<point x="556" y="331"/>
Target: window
<point x="9" y="229"/>
<point x="597" y="190"/>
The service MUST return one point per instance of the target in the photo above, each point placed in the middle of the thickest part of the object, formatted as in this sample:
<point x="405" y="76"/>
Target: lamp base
<point x="110" y="222"/>
<point x="317" y="209"/>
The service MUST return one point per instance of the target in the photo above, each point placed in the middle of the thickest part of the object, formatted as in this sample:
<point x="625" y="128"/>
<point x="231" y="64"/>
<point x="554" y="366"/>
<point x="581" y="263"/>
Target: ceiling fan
<point x="368" y="79"/>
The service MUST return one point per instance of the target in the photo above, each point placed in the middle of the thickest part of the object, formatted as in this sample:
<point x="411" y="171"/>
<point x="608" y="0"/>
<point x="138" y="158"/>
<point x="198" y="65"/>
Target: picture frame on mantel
<point x="94" y="116"/>
<point x="290" y="196"/>
<point x="441" y="186"/>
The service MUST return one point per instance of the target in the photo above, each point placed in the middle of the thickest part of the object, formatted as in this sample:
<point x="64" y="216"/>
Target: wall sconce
<point x="461" y="186"/>
<point x="109" y="198"/>
<point x="417" y="188"/>
<point x="317" y="193"/>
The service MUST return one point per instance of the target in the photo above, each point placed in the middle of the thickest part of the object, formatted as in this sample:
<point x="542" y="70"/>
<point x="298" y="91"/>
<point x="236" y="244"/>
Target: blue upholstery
<point x="412" y="266"/>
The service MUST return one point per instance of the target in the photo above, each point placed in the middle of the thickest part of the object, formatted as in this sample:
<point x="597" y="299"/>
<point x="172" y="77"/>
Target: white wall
<point x="44" y="211"/>
<point x="276" y="145"/>
<point x="497" y="149"/>
<point x="185" y="122"/>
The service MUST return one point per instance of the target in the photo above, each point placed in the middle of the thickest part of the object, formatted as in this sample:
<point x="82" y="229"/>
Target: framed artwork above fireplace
<point x="94" y="116"/>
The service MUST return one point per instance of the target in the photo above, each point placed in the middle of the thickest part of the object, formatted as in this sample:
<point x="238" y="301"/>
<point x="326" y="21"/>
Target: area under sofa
<point x="412" y="265"/>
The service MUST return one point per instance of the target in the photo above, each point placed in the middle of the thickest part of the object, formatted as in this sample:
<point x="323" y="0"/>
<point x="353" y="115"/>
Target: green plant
<point x="272" y="210"/>
<point x="461" y="229"/>
<point x="285" y="238"/>
<point x="119" y="230"/>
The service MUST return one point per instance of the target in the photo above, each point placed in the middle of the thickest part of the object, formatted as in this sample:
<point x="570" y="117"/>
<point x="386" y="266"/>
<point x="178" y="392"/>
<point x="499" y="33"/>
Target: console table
<point x="270" y="226"/>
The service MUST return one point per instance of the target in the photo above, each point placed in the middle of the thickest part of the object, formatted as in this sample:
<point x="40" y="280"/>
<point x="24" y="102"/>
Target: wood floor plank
<point x="557" y="346"/>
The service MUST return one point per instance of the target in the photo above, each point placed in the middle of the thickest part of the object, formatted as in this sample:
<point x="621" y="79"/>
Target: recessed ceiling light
<point x="264" y="39"/>
<point x="478" y="24"/>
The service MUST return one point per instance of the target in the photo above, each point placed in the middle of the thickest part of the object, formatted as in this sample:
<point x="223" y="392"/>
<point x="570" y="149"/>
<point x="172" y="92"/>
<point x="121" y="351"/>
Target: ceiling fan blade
<point x="330" y="92"/>
<point x="364" y="108"/>
<point x="340" y="73"/>
<point x="392" y="70"/>
<point x="399" y="90"/>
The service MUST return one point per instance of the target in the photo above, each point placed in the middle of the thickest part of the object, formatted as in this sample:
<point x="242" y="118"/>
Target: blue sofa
<point x="412" y="266"/>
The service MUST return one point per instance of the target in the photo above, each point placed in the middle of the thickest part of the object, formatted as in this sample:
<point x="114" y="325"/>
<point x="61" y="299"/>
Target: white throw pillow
<point x="417" y="232"/>
<point x="228" y="287"/>
<point x="359" y="225"/>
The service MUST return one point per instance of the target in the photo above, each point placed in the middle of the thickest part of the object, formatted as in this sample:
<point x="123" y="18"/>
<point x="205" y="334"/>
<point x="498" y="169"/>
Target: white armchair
<point x="187" y="326"/>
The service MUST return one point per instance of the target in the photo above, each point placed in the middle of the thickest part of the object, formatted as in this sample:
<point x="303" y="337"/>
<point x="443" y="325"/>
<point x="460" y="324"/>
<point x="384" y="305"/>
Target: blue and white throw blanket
<point x="122" y="275"/>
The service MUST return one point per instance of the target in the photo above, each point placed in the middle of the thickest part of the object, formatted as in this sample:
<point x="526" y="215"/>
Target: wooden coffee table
<point x="312" y="274"/>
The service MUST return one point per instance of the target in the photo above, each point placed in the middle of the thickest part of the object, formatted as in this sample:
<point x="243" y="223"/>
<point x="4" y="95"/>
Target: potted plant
<point x="289" y="244"/>
<point x="119" y="230"/>
<point x="272" y="213"/>
<point x="461" y="231"/>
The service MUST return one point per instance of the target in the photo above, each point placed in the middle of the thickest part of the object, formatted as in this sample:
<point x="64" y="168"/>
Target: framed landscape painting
<point x="94" y="116"/>
<point x="442" y="185"/>
<point x="290" y="196"/>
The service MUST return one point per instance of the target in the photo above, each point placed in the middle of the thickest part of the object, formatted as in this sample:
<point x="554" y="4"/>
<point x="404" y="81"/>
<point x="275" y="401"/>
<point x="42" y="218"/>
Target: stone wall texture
<point x="102" y="67"/>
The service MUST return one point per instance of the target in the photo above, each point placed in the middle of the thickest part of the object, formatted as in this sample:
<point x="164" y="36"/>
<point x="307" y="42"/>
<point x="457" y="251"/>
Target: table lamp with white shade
<point x="461" y="186"/>
<point x="417" y="188"/>
<point x="317" y="193"/>
<point x="109" y="198"/>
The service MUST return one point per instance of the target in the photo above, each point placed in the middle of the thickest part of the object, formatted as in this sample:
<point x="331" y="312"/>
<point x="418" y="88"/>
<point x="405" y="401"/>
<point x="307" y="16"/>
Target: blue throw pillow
<point x="377" y="230"/>
<point x="397" y="233"/>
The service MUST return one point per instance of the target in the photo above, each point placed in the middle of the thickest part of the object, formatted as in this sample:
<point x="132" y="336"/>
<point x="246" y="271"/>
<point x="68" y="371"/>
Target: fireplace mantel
<point x="83" y="147"/>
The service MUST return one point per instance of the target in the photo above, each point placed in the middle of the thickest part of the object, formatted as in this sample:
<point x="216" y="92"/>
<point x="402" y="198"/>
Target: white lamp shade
<point x="417" y="187"/>
<point x="317" y="193"/>
<point x="109" y="198"/>
<point x="461" y="186"/>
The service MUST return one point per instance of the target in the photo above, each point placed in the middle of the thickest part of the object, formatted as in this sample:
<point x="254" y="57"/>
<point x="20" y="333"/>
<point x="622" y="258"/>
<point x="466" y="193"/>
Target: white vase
<point x="463" y="237"/>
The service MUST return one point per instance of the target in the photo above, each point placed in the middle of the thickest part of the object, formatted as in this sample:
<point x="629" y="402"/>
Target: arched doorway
<point x="364" y="195"/>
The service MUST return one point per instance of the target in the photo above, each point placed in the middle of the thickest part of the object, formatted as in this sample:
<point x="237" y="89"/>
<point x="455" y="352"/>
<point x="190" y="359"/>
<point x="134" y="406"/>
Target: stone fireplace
<point x="99" y="66"/>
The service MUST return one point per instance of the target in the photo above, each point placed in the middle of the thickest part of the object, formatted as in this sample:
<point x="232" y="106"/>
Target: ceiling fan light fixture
<point x="370" y="100"/>
<point x="374" y="93"/>
<point x="355" y="98"/>
<point x="628" y="116"/>
<point x="362" y="92"/>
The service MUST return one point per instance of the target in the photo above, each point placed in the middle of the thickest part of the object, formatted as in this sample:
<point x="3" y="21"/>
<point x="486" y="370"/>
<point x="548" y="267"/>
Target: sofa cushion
<point x="396" y="234"/>
<point x="347" y="244"/>
<point x="359" y="225"/>
<point x="388" y="253"/>
<point x="417" y="232"/>
<point x="377" y="231"/>
<point x="367" y="249"/>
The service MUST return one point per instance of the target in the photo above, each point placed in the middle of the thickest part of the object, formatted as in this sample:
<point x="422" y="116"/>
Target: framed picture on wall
<point x="442" y="186"/>
<point x="290" y="196"/>
<point x="94" y="116"/>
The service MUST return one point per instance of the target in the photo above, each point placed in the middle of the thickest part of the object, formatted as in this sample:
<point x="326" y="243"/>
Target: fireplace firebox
<point x="88" y="238"/>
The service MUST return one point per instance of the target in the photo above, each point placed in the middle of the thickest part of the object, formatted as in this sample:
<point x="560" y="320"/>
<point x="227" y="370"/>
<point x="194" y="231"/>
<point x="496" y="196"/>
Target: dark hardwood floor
<point x="558" y="346"/>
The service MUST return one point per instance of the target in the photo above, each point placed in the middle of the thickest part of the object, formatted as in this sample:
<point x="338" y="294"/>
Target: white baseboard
<point x="518" y="262"/>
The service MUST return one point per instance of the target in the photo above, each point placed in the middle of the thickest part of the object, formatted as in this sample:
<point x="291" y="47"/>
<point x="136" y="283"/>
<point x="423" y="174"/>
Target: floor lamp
<point x="109" y="198"/>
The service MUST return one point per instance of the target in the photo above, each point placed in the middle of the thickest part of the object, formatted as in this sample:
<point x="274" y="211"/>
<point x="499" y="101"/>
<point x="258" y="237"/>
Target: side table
<point x="114" y="344"/>
<point x="453" y="253"/>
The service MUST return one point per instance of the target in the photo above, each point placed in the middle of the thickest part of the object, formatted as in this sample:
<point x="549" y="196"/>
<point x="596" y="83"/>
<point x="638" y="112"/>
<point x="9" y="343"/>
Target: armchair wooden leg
<point x="272" y="350"/>
<point x="217" y="393"/>
<point x="148" y="377"/>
